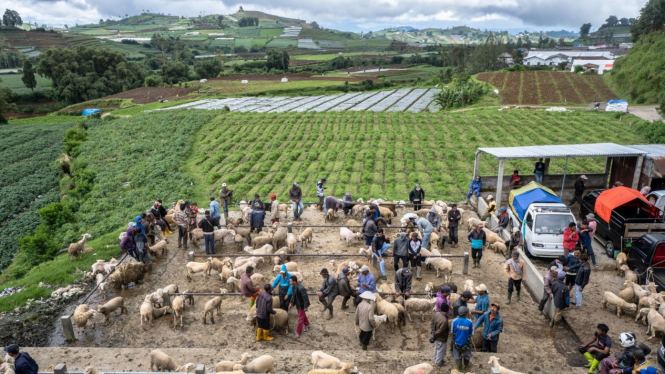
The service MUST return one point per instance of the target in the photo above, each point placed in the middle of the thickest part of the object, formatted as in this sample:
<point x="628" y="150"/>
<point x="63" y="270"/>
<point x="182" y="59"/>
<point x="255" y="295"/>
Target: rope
<point x="104" y="280"/>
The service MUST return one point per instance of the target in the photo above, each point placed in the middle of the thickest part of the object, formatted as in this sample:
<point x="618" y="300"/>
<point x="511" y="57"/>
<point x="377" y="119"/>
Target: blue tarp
<point x="521" y="202"/>
<point x="87" y="112"/>
<point x="616" y="101"/>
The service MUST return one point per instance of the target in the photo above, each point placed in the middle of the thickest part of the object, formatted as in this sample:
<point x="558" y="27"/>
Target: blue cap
<point x="649" y="370"/>
<point x="445" y="289"/>
<point x="502" y="209"/>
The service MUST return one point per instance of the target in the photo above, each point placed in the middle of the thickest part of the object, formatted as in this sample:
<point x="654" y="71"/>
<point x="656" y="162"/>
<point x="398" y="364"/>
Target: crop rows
<point x="548" y="87"/>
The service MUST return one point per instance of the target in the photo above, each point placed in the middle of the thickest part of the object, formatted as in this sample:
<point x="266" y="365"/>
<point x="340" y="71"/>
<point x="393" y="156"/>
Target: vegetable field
<point x="29" y="180"/>
<point x="14" y="82"/>
<point x="381" y="154"/>
<point x="548" y="87"/>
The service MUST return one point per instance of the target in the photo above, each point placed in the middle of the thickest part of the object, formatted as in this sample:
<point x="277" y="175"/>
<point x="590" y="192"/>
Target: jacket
<point x="439" y="327"/>
<point x="214" y="209"/>
<point x="462" y="329"/>
<point x="582" y="278"/>
<point x="369" y="227"/>
<point x="319" y="189"/>
<point x="559" y="293"/>
<point x="504" y="219"/>
<point x="424" y="226"/>
<point x="283" y="281"/>
<point x="579" y="187"/>
<point x="475" y="186"/>
<point x="295" y="193"/>
<point x="539" y="167"/>
<point x="402" y="284"/>
<point x="637" y="368"/>
<point x="343" y="285"/>
<point x="414" y="247"/>
<point x="482" y="303"/>
<point x="570" y="239"/>
<point x="206" y="225"/>
<point x="585" y="239"/>
<point x="247" y="287"/>
<point x="365" y="316"/>
<point x="257" y="217"/>
<point x="274" y="208"/>
<point x="158" y="211"/>
<point x="457" y="305"/>
<point x="475" y="235"/>
<point x="434" y="220"/>
<point x="515" y="239"/>
<point x="138" y="222"/>
<point x="24" y="364"/>
<point x="548" y="280"/>
<point x="264" y="305"/>
<point x="493" y="327"/>
<point x="329" y="286"/>
<point x="332" y="203"/>
<point x="225" y="193"/>
<point x="572" y="263"/>
<point x="454" y="216"/>
<point x="512" y="270"/>
<point x="415" y="195"/>
<point x="369" y="280"/>
<point x="300" y="298"/>
<point x="378" y="242"/>
<point x="440" y="300"/>
<point x="127" y="242"/>
<point x="491" y="207"/>
<point x="626" y="358"/>
<point x="401" y="245"/>
<point x="256" y="205"/>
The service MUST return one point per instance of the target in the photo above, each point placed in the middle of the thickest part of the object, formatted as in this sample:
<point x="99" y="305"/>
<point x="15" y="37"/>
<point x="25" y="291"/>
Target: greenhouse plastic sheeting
<point x="520" y="199"/>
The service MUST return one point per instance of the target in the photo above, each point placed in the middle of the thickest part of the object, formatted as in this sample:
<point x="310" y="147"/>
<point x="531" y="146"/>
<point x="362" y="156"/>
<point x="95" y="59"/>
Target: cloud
<point x="379" y="13"/>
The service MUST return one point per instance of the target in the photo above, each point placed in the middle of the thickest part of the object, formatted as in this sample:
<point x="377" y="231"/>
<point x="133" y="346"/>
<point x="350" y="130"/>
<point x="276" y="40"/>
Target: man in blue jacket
<point x="462" y="329"/>
<point x="23" y="363"/>
<point x="492" y="327"/>
<point x="474" y="189"/>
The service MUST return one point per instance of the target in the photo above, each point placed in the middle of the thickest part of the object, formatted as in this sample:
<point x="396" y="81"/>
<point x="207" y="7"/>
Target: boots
<point x="467" y="363"/>
<point x="510" y="295"/>
<point x="344" y="306"/>
<point x="475" y="263"/>
<point x="364" y="347"/>
<point x="594" y="365"/>
<point x="266" y="335"/>
<point x="478" y="266"/>
<point x="589" y="357"/>
<point x="518" y="296"/>
<point x="251" y="303"/>
<point x="330" y="313"/>
<point x="458" y="364"/>
<point x="468" y="201"/>
<point x="259" y="335"/>
<point x="418" y="273"/>
<point x="226" y="218"/>
<point x="324" y="302"/>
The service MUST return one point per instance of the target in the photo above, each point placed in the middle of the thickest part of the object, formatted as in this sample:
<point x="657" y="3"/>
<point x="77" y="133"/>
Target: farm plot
<point x="548" y="87"/>
<point x="14" y="82"/>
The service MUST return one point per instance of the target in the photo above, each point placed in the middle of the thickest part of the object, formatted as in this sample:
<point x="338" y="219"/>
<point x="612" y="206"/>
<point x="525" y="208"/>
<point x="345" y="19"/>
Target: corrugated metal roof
<point x="561" y="151"/>
<point x="652" y="150"/>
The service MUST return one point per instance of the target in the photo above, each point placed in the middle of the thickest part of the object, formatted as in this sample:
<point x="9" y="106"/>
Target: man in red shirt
<point x="570" y="239"/>
<point x="515" y="179"/>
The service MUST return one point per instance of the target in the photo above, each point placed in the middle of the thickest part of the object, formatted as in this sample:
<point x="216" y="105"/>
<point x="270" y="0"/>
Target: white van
<point x="543" y="227"/>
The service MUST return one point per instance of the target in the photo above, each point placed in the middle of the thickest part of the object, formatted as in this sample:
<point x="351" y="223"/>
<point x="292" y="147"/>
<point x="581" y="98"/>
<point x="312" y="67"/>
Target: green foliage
<point x="11" y="18"/>
<point x="152" y="81"/>
<point x="87" y="73"/>
<point x="208" y="68"/>
<point x="278" y="60"/>
<point x="248" y="21"/>
<point x="652" y="18"/>
<point x="174" y="72"/>
<point x="38" y="247"/>
<point x="653" y="132"/>
<point x="73" y="139"/>
<point x="55" y="215"/>
<point x="640" y="74"/>
<point x="579" y="68"/>
<point x="461" y="93"/>
<point x="5" y="105"/>
<point x="584" y="30"/>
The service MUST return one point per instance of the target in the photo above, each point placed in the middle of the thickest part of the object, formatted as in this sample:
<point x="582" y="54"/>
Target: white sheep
<point x="655" y="322"/>
<point x="627" y="293"/>
<point x="260" y="241"/>
<point x="82" y="315"/>
<point x="441" y="265"/>
<point x="178" y="306"/>
<point x="346" y="234"/>
<point x="494" y="361"/>
<point x="228" y="365"/>
<point x="647" y="300"/>
<point x="387" y="309"/>
<point x="213" y="304"/>
<point x="279" y="237"/>
<point x="255" y="259"/>
<point x="305" y="237"/>
<point x="170" y="289"/>
<point x="198" y="267"/>
<point x="418" y="305"/>
<point x="101" y="285"/>
<point x="619" y="303"/>
<point x="639" y="291"/>
<point x="468" y="286"/>
<point x="423" y="368"/>
<point x="159" y="312"/>
<point x="290" y="266"/>
<point x="146" y="312"/>
<point x="642" y="314"/>
<point x="159" y="248"/>
<point x="240" y="270"/>
<point x="77" y="249"/>
<point x="104" y="267"/>
<point x="325" y="361"/>
<point x="619" y="262"/>
<point x="472" y="223"/>
<point x="378" y="320"/>
<point x="113" y="305"/>
<point x="266" y="249"/>
<point x="261" y="364"/>
<point x="291" y="242"/>
<point x="629" y="274"/>
<point x="162" y="362"/>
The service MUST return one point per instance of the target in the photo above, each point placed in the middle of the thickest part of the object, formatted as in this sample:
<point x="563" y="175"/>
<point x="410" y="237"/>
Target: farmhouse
<point x="553" y="58"/>
<point x="598" y="66"/>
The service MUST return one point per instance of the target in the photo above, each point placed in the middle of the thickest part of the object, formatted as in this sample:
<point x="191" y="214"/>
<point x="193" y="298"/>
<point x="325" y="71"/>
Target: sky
<point x="352" y="15"/>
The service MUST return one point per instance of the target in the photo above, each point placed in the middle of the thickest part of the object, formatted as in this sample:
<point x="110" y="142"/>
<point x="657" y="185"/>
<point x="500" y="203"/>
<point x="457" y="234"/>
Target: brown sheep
<point x="77" y="249"/>
<point x="126" y="274"/>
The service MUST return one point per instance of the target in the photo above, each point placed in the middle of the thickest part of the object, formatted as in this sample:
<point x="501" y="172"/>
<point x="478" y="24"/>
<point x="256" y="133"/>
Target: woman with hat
<point x="274" y="209"/>
<point x="492" y="327"/>
<point x="365" y="318"/>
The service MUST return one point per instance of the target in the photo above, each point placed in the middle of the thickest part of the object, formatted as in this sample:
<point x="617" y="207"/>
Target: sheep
<point x="472" y="223"/>
<point x="7" y="367"/>
<point x="221" y="234"/>
<point x="125" y="274"/>
<point x="246" y="211"/>
<point x="198" y="267"/>
<point x="178" y="305"/>
<point x="104" y="267"/>
<point x="423" y="368"/>
<point x="260" y="241"/>
<point x="156" y="298"/>
<point x="235" y="281"/>
<point x="228" y="365"/>
<point x="647" y="300"/>
<point x="240" y="270"/>
<point x="212" y="304"/>
<point x="628" y="274"/>
<point x="619" y="303"/>
<point x="189" y="299"/>
<point x="358" y="210"/>
<point x="195" y="235"/>
<point x="171" y="288"/>
<point x="261" y="364"/>
<point x="101" y="285"/>
<point x="111" y="306"/>
<point x="655" y="322"/>
<point x="305" y="237"/>
<point x="346" y="234"/>
<point x="499" y="247"/>
<point x="329" y="216"/>
<point x="639" y="291"/>
<point x="82" y="315"/>
<point x="442" y="266"/>
<point x="217" y="265"/>
<point x="494" y="361"/>
<point x="227" y="273"/>
<point x="162" y="362"/>
<point x="279" y="237"/>
<point x="330" y="371"/>
<point x="387" y="309"/>
<point x="418" y="305"/>
<point x="325" y="361"/>
<point x="387" y="214"/>
<point x="159" y="312"/>
<point x="291" y="242"/>
<point x="620" y="261"/>
<point x="146" y="312"/>
<point x="242" y="260"/>
<point x="77" y="249"/>
<point x="290" y="266"/>
<point x="157" y="247"/>
<point x="627" y="293"/>
<point x="642" y="314"/>
<point x="492" y="237"/>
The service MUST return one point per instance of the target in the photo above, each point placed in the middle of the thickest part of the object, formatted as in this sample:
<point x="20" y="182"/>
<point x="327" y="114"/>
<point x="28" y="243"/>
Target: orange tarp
<point x="608" y="200"/>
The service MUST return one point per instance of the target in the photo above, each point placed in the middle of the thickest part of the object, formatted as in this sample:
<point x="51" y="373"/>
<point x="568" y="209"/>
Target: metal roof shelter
<point x="566" y="151"/>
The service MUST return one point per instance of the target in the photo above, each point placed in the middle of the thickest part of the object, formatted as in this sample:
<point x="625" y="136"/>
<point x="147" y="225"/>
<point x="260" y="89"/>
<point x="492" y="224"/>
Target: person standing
<point x="215" y="215"/>
<point x="585" y="239"/>
<point x="514" y="242"/>
<point x="477" y="238"/>
<point x="425" y="229"/>
<point x="348" y="202"/>
<point x="369" y="228"/>
<point x="127" y="243"/>
<point x="579" y="191"/>
<point x="416" y="197"/>
<point x="415" y="256"/>
<point x="295" y="194"/>
<point x="263" y="311"/>
<point x="23" y="363"/>
<point x="474" y="189"/>
<point x="454" y="216"/>
<point x="442" y="299"/>
<point x="434" y="220"/>
<point x="301" y="302"/>
<point x="207" y="224"/>
<point x="439" y="330"/>
<point x="141" y="240"/>
<point x="274" y="209"/>
<point x="462" y="329"/>
<point x="570" y="267"/>
<point x="365" y="318"/>
<point x="328" y="292"/>
<point x="401" y="251"/>
<point x="344" y="287"/>
<point x="548" y="280"/>
<point x="247" y="287"/>
<point x="539" y="170"/>
<point x="570" y="239"/>
<point x="191" y="210"/>
<point x="491" y="208"/>
<point x="504" y="219"/>
<point x="225" y="195"/>
<point x="514" y="269"/>
<point x="285" y="287"/>
<point x="492" y="326"/>
<point x="597" y="348"/>
<point x="366" y="282"/>
<point x="582" y="278"/>
<point x="258" y="215"/>
<point x="462" y="301"/>
<point x="319" y="191"/>
<point x="181" y="219"/>
<point x="482" y="302"/>
<point x="380" y="245"/>
<point x="403" y="283"/>
<point x="560" y="298"/>
<point x="591" y="218"/>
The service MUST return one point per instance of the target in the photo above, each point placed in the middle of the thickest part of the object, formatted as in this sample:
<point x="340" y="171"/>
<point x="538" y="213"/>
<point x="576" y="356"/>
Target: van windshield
<point x="552" y="223"/>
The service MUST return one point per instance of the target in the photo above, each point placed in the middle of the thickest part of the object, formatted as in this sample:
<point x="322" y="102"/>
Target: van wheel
<point x="609" y="249"/>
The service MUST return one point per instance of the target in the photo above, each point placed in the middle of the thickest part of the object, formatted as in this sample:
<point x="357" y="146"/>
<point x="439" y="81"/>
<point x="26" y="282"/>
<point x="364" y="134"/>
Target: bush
<point x="73" y="139"/>
<point x="460" y="94"/>
<point x="151" y="81"/>
<point x="39" y="247"/>
<point x="55" y="215"/>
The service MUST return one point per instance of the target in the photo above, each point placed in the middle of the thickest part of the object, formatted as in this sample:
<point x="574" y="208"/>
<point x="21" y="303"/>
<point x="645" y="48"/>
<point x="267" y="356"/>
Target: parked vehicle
<point x="657" y="198"/>
<point x="623" y="215"/>
<point x="542" y="217"/>
<point x="661" y="354"/>
<point x="648" y="252"/>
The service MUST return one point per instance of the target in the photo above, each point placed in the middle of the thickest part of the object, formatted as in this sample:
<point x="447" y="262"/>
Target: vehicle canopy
<point x="519" y="199"/>
<point x="623" y="198"/>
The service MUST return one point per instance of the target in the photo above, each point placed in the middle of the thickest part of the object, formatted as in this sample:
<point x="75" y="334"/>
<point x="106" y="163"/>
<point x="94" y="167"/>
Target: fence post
<point x="191" y="256"/>
<point x="282" y="257"/>
<point x="289" y="227"/>
<point x="67" y="328"/>
<point x="60" y="369"/>
<point x="465" y="266"/>
<point x="200" y="369"/>
<point x="167" y="298"/>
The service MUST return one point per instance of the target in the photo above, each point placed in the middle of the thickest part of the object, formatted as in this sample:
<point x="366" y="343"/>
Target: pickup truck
<point x="648" y="252"/>
<point x="623" y="215"/>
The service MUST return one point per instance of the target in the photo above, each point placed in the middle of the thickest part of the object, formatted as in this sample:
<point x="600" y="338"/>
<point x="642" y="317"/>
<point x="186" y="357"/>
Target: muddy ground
<point x="527" y="343"/>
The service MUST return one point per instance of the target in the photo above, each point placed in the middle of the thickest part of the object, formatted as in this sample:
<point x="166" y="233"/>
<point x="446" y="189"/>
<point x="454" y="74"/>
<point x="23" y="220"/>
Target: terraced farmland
<point x="548" y="87"/>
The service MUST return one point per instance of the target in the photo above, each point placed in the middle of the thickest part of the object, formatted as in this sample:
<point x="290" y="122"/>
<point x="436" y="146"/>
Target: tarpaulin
<point x="87" y="112"/>
<point x="615" y="197"/>
<point x="520" y="199"/>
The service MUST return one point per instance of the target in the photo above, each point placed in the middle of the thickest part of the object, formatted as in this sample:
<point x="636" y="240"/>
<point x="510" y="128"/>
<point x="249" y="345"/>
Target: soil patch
<point x="145" y="95"/>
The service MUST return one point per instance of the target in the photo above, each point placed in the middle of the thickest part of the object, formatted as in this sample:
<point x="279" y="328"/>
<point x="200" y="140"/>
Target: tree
<point x="518" y="56"/>
<point x="5" y="96"/>
<point x="551" y="44"/>
<point x="29" y="75"/>
<point x="611" y="21"/>
<point x="624" y="22"/>
<point x="11" y="18"/>
<point x="174" y="72"/>
<point x="562" y="42"/>
<point x="584" y="30"/>
<point x="652" y="18"/>
<point x="209" y="68"/>
<point x="278" y="60"/>
<point x="86" y="73"/>
<point x="519" y="42"/>
<point x="315" y="25"/>
<point x="528" y="43"/>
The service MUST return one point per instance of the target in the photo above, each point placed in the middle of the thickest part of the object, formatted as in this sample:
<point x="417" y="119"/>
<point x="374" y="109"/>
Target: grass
<point x="14" y="82"/>
<point x="329" y="56"/>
